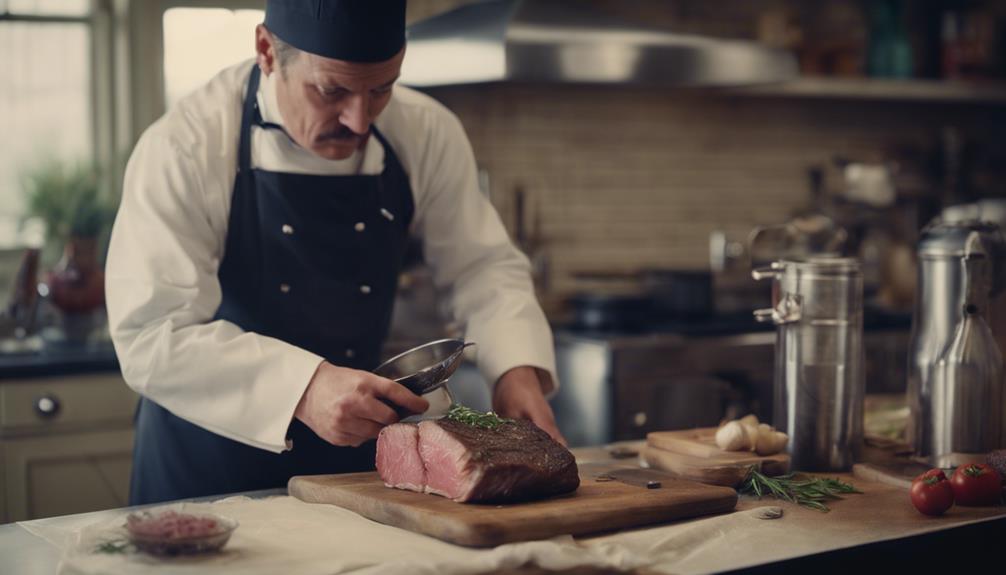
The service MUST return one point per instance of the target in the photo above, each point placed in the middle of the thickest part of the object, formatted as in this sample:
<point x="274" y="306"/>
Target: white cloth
<point x="285" y="535"/>
<point x="168" y="241"/>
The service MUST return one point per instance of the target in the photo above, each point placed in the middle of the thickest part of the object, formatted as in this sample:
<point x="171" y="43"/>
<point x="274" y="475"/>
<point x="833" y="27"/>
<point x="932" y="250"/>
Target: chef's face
<point x="328" y="105"/>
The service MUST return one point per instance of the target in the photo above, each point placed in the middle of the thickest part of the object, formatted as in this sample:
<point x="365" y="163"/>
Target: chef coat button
<point x="350" y="352"/>
<point x="365" y="289"/>
<point x="285" y="288"/>
<point x="360" y="226"/>
<point x="287" y="229"/>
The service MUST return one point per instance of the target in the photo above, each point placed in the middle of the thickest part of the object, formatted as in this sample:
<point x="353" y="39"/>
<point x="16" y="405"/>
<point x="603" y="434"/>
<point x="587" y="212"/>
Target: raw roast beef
<point x="513" y="462"/>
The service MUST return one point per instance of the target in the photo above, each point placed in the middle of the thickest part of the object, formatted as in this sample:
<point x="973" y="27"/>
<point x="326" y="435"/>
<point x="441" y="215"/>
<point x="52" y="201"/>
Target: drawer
<point x="76" y="401"/>
<point x="64" y="473"/>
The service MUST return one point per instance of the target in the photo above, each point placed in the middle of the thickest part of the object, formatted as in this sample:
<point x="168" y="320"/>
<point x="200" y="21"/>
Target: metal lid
<point x="942" y="238"/>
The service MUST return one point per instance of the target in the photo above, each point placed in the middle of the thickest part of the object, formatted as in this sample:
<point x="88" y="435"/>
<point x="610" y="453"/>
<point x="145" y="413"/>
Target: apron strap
<point x="249" y="115"/>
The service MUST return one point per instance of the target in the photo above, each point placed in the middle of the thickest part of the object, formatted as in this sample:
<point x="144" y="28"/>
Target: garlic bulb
<point x="752" y="435"/>
<point x="770" y="441"/>
<point x="748" y="433"/>
<point x="765" y="441"/>
<point x="781" y="441"/>
<point x="732" y="437"/>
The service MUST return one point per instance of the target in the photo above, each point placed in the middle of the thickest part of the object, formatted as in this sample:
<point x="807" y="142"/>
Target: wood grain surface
<point x="693" y="454"/>
<point x="597" y="506"/>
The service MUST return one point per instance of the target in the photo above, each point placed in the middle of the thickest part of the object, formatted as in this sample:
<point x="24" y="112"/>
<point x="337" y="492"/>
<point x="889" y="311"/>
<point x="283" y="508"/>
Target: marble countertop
<point x="59" y="359"/>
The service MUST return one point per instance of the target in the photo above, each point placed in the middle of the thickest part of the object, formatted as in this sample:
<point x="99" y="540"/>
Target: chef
<point x="255" y="256"/>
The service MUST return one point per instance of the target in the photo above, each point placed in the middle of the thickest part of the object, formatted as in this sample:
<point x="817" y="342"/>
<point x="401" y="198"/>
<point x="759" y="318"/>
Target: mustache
<point x="342" y="134"/>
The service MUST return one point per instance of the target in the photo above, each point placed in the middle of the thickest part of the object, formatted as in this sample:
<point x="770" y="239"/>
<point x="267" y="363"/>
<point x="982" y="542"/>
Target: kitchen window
<point x="200" y="42"/>
<point x="46" y="94"/>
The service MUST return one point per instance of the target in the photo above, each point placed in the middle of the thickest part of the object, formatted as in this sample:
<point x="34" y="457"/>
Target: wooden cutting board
<point x="596" y="506"/>
<point x="693" y="454"/>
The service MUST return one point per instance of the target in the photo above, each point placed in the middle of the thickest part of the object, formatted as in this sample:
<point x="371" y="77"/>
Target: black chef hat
<point x="353" y="30"/>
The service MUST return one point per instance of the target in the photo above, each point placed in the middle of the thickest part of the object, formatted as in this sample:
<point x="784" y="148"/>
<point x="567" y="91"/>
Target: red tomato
<point x="936" y="472"/>
<point x="976" y="484"/>
<point x="931" y="492"/>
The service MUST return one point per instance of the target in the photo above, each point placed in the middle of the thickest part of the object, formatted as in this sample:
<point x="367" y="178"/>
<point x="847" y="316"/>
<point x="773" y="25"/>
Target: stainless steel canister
<point x="819" y="375"/>
<point x="954" y="392"/>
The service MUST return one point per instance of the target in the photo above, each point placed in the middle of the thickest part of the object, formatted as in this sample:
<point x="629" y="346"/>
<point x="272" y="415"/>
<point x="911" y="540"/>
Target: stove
<point x="621" y="384"/>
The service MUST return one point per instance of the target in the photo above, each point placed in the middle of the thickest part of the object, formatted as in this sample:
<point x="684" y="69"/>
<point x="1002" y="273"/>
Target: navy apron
<point x="312" y="260"/>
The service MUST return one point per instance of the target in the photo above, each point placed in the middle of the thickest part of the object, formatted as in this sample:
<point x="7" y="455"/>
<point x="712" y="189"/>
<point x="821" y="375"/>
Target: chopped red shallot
<point x="171" y="525"/>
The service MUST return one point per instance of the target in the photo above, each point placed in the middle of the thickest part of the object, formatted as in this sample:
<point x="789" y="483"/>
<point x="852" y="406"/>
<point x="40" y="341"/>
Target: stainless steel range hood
<point x="558" y="41"/>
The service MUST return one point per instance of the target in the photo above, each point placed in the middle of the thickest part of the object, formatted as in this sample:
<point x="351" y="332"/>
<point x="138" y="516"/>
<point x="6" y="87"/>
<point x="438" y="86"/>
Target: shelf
<point x="989" y="92"/>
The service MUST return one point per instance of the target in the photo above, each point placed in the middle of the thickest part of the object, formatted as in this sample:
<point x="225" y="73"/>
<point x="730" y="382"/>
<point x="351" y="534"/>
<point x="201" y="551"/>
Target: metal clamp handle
<point x="788" y="310"/>
<point x="770" y="272"/>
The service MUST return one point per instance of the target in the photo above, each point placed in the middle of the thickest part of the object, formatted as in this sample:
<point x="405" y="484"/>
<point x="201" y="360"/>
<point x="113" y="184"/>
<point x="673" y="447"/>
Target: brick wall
<point x="622" y="178"/>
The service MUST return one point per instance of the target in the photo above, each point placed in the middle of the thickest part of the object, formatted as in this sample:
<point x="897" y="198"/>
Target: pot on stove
<point x="679" y="294"/>
<point x="633" y="301"/>
<point x="610" y="312"/>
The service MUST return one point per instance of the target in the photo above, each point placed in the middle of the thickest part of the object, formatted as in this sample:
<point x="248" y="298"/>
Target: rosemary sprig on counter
<point x="803" y="490"/>
<point x="469" y="416"/>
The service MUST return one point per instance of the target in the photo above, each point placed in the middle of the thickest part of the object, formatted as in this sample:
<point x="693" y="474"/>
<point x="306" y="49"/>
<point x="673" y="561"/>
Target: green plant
<point x="68" y="199"/>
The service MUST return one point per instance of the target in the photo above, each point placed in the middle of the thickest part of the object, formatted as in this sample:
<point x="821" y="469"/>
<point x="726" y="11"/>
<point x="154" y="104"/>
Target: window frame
<point x="146" y="24"/>
<point x="105" y="122"/>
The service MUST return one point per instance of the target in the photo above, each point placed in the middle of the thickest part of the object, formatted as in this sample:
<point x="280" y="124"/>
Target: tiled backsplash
<point x="623" y="178"/>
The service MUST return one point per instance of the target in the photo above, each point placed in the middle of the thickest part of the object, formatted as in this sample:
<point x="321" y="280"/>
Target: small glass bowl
<point x="160" y="544"/>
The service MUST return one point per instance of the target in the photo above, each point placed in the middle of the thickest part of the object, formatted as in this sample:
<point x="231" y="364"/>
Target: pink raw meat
<point x="513" y="462"/>
<point x="398" y="457"/>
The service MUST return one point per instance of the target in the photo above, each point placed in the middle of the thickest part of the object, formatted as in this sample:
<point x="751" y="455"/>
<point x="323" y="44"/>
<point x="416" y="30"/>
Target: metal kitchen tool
<point x="18" y="314"/>
<point x="955" y="387"/>
<point x="639" y="477"/>
<point x="427" y="367"/>
<point x="629" y="475"/>
<point x="819" y="378"/>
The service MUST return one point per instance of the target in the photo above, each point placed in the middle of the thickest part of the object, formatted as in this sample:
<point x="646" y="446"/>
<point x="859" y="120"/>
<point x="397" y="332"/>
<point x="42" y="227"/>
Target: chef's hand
<point x="348" y="406"/>
<point x="519" y="395"/>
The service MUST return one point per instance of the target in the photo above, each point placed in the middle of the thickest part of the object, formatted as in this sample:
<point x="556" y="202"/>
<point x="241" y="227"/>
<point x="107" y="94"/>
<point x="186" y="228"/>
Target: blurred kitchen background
<point x="643" y="194"/>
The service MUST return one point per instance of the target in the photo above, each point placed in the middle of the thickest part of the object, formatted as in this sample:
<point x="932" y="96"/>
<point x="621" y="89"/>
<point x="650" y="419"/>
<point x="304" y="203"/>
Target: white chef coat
<point x="168" y="241"/>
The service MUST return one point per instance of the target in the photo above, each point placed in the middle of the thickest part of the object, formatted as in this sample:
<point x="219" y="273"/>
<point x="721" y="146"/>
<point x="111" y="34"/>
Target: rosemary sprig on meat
<point x="113" y="547"/>
<point x="469" y="416"/>
<point x="803" y="490"/>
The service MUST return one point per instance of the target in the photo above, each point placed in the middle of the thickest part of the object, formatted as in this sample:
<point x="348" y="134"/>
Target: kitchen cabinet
<point x="65" y="444"/>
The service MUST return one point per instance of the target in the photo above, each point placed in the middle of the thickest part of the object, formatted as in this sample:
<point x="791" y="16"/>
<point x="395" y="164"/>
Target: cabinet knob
<point x="47" y="406"/>
<point x="639" y="420"/>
